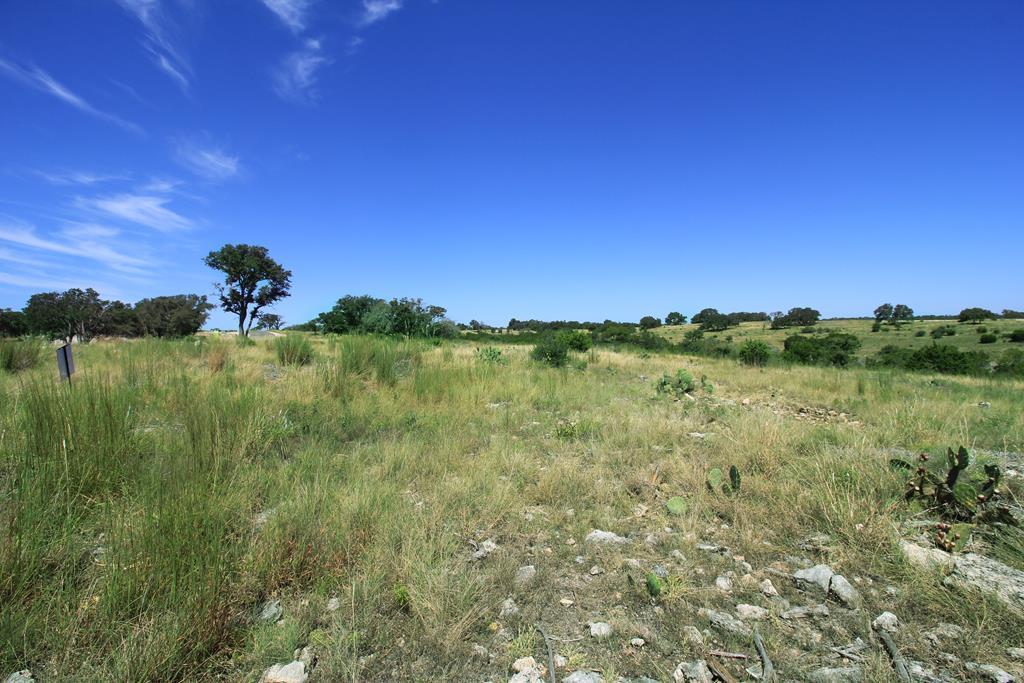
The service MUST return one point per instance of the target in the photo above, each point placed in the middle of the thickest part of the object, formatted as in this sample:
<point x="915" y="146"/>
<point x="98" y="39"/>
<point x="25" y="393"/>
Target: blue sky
<point x="529" y="159"/>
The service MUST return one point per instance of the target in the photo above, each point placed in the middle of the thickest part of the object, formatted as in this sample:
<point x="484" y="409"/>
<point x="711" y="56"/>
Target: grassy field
<point x="967" y="337"/>
<point x="154" y="508"/>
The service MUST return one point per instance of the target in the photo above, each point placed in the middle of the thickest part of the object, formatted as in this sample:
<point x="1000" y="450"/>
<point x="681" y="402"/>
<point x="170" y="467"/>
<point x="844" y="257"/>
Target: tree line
<point x="83" y="314"/>
<point x="252" y="282"/>
<point x="371" y="315"/>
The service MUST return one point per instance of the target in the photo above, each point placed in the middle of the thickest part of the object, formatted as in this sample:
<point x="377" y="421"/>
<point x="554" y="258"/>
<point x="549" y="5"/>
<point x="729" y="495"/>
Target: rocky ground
<point x="794" y="617"/>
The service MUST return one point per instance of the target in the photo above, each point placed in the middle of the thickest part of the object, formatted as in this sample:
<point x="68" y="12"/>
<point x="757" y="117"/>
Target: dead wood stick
<point x="767" y="669"/>
<point x="551" y="654"/>
<point x="898" y="662"/>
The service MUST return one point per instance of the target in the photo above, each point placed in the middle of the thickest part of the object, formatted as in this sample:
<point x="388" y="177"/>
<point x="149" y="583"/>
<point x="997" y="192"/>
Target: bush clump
<point x="576" y="339"/>
<point x="754" y="352"/>
<point x="1011" y="363"/>
<point x="988" y="338"/>
<point x="293" y="349"/>
<point x="1016" y="336"/>
<point x="20" y="354"/>
<point x="551" y="350"/>
<point x="941" y="358"/>
<point x="835" y="348"/>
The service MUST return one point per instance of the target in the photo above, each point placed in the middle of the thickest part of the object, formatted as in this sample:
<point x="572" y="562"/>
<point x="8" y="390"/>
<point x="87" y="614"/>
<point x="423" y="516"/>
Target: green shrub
<point x="891" y="356"/>
<point x="835" y="348"/>
<point x="947" y="359"/>
<point x="577" y="340"/>
<point x="982" y="330"/>
<point x="676" y="385"/>
<point x="943" y="331"/>
<point x="754" y="352"/>
<point x="919" y="333"/>
<point x="1011" y="363"/>
<point x="21" y="354"/>
<point x="293" y="349"/>
<point x="551" y="350"/>
<point x="988" y="339"/>
<point x="1016" y="336"/>
<point x="490" y="355"/>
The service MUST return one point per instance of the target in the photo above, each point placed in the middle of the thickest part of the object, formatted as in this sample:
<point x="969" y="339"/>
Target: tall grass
<point x="21" y="354"/>
<point x="386" y="360"/>
<point x="293" y="349"/>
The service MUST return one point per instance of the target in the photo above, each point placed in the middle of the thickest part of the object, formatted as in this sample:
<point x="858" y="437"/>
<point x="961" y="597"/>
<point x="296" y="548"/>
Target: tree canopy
<point x="270" y="321"/>
<point x="796" y="317"/>
<point x="405" y="316"/>
<point x="976" y="315"/>
<point x="675" y="318"/>
<point x="173" y="316"/>
<point x="252" y="281"/>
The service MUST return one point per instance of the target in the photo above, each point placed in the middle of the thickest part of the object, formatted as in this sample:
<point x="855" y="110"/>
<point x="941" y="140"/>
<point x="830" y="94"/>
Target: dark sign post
<point x="65" y="362"/>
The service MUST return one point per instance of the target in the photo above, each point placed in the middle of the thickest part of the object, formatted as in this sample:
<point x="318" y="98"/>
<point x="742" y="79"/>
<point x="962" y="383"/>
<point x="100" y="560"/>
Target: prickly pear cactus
<point x="734" y="478"/>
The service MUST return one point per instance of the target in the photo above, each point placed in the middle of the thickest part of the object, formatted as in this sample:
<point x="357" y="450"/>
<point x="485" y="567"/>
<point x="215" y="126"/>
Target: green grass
<point x="153" y="506"/>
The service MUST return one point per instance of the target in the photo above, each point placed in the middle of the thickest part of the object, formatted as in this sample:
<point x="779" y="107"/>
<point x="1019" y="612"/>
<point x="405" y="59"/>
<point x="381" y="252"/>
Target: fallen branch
<point x="767" y="669"/>
<point x="898" y="662"/>
<point x="551" y="654"/>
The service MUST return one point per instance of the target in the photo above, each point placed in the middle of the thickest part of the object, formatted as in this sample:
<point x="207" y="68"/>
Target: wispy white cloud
<point x="147" y="210"/>
<point x="375" y="10"/>
<point x="37" y="281"/>
<point x="83" y="244"/>
<point x="160" y="41"/>
<point x="291" y="12"/>
<point x="77" y="177"/>
<point x="22" y="259"/>
<point x="160" y="185"/>
<point x="354" y="43"/>
<point x="35" y="77"/>
<point x="205" y="159"/>
<point x="295" y="78"/>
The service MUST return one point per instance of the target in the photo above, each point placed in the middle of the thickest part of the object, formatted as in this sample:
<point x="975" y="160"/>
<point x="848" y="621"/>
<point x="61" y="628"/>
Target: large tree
<point x="675" y="318"/>
<point x="12" y="323"/>
<point x="270" y="321"/>
<point x="347" y="314"/>
<point x="883" y="313"/>
<point x="796" y="317"/>
<point x="180" y="315"/>
<point x="976" y="315"/>
<point x="703" y="315"/>
<point x="252" y="281"/>
<point x="649" y="322"/>
<point x="65" y="315"/>
<point x="902" y="314"/>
